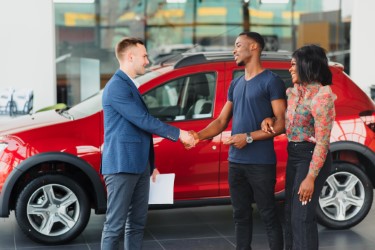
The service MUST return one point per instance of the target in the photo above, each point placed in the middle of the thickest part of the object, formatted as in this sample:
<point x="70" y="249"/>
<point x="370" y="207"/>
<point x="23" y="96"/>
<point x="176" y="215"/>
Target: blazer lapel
<point x="131" y="84"/>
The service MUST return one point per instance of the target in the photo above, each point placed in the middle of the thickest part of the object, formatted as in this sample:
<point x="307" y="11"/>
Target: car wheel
<point x="52" y="209"/>
<point x="346" y="197"/>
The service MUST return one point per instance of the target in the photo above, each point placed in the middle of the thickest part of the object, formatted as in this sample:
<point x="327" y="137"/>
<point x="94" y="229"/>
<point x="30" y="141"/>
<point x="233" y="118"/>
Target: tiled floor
<point x="201" y="228"/>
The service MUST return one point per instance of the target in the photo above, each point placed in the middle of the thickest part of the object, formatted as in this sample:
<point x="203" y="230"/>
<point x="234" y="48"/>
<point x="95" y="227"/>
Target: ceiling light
<point x="274" y="1"/>
<point x="176" y="1"/>
<point x="74" y="1"/>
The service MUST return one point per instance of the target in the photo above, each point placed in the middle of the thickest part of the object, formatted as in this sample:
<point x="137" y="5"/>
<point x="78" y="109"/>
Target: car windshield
<point x="146" y="77"/>
<point x="93" y="104"/>
<point x="87" y="107"/>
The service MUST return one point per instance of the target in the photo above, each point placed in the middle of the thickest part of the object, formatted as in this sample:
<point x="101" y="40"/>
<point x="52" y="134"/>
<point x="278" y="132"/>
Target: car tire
<point x="52" y="209"/>
<point x="346" y="197"/>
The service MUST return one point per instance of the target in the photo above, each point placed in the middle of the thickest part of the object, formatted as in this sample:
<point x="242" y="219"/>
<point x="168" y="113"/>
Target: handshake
<point x="189" y="138"/>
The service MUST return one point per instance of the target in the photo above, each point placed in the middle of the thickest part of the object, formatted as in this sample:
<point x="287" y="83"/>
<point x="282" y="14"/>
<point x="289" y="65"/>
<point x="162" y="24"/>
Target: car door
<point x="189" y="99"/>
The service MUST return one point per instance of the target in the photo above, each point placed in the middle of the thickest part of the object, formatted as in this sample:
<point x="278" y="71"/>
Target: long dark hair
<point x="312" y="65"/>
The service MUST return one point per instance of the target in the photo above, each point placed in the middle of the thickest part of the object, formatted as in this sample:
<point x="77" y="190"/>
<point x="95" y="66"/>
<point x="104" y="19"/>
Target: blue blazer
<point x="128" y="128"/>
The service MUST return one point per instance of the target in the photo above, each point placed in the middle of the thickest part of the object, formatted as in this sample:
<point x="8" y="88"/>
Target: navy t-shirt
<point x="251" y="105"/>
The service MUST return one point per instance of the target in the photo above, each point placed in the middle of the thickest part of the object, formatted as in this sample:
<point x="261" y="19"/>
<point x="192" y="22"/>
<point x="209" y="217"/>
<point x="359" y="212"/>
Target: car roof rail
<point x="195" y="58"/>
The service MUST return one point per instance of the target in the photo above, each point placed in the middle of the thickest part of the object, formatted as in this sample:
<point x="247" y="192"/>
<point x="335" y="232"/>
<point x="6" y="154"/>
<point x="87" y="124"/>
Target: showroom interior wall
<point x="362" y="44"/>
<point x="27" y="48"/>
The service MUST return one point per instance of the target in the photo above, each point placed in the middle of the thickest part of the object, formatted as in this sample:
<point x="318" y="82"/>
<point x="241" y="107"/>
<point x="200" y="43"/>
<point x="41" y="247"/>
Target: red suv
<point x="49" y="161"/>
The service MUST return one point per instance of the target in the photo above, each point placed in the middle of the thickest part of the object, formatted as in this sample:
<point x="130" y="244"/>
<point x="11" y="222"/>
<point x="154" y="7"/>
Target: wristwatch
<point x="249" y="139"/>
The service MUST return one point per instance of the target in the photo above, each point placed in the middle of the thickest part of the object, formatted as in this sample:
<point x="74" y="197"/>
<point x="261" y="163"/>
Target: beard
<point x="241" y="63"/>
<point x="140" y="71"/>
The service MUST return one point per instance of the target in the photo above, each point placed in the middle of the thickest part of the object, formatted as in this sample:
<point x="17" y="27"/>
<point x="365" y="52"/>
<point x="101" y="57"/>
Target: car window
<point x="284" y="75"/>
<point x="185" y="98"/>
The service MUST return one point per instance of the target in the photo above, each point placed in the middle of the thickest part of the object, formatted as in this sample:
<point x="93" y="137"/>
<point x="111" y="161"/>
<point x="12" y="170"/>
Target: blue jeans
<point x="301" y="232"/>
<point x="127" y="207"/>
<point x="249" y="183"/>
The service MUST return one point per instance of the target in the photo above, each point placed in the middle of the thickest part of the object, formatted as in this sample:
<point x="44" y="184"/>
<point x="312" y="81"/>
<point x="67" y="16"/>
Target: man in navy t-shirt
<point x="251" y="100"/>
<point x="258" y="94"/>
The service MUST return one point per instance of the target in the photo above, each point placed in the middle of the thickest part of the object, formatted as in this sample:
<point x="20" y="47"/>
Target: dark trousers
<point x="249" y="183"/>
<point x="127" y="208"/>
<point x="301" y="232"/>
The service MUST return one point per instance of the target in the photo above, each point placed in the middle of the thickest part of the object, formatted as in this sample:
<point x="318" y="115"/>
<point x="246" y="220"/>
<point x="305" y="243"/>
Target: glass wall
<point x="90" y="31"/>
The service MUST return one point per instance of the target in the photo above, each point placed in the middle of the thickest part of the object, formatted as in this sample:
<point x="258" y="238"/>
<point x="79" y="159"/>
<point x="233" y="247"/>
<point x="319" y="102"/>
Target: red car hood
<point x="27" y="122"/>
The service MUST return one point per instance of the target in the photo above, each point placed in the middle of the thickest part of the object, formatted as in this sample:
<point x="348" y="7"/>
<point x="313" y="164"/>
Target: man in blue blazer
<point x="128" y="153"/>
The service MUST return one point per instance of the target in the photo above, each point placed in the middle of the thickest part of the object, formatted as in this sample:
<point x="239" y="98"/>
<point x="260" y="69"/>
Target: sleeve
<point x="276" y="88"/>
<point x="126" y="104"/>
<point x="231" y="89"/>
<point x="323" y="111"/>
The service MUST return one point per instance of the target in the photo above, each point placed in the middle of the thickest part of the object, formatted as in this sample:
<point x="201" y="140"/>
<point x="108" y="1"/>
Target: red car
<point x="49" y="161"/>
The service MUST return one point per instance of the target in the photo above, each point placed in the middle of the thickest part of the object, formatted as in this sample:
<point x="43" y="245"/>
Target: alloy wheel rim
<point x="53" y="210"/>
<point x="342" y="196"/>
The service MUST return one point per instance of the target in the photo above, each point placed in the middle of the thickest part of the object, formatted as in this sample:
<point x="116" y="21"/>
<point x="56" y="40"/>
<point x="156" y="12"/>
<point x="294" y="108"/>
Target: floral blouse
<point x="309" y="117"/>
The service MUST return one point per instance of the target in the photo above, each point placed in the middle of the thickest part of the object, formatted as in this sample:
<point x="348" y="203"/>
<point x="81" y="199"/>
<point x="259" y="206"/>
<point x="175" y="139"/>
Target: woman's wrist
<point x="313" y="172"/>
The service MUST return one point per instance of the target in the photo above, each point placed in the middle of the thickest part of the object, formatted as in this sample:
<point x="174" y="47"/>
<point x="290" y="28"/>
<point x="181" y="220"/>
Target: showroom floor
<point x="201" y="228"/>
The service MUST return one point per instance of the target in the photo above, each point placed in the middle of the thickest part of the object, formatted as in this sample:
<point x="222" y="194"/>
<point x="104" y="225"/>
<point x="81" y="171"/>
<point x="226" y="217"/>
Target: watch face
<point x="249" y="139"/>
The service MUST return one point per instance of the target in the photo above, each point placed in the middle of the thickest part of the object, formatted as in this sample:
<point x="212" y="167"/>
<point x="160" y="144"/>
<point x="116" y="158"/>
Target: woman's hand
<point x="306" y="189"/>
<point x="267" y="125"/>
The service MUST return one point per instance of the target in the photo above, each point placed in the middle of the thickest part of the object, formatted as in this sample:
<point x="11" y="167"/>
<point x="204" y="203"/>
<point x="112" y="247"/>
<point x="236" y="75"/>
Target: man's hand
<point x="238" y="141"/>
<point x="267" y="125"/>
<point x="195" y="135"/>
<point x="187" y="139"/>
<point x="154" y="174"/>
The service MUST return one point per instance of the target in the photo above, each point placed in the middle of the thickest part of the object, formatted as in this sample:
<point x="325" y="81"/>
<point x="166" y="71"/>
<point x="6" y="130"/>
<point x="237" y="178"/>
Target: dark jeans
<point x="249" y="183"/>
<point x="301" y="231"/>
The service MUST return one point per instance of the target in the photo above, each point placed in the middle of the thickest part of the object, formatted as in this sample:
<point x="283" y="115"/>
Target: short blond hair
<point x="126" y="43"/>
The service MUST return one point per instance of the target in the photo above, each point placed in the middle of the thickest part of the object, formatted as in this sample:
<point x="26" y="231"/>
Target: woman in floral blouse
<point x="309" y="118"/>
